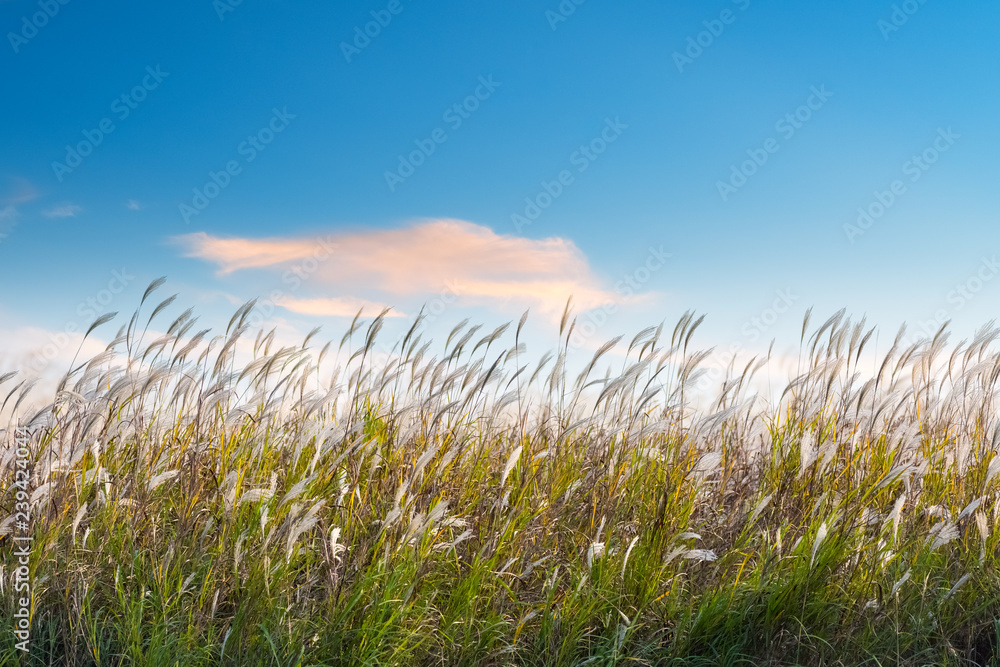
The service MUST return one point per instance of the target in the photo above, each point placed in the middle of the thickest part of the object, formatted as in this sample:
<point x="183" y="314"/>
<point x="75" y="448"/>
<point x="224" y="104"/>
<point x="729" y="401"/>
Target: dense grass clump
<point x="470" y="508"/>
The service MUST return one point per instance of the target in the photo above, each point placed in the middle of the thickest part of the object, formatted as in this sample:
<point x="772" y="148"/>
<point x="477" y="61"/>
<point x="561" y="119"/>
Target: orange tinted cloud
<point x="428" y="258"/>
<point x="344" y="306"/>
<point x="235" y="253"/>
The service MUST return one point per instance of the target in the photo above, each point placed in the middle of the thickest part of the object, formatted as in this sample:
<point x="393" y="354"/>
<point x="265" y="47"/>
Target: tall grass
<point x="460" y="506"/>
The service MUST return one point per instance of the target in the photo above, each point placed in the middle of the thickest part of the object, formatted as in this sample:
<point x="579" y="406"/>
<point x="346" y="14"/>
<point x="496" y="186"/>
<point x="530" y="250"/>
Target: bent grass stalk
<point x="452" y="507"/>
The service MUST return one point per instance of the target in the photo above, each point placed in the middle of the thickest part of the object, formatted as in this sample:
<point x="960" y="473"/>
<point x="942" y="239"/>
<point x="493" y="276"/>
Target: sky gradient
<point x="744" y="159"/>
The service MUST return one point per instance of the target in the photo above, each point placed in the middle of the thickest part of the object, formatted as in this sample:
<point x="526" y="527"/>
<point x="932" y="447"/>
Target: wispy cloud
<point x="63" y="211"/>
<point x="133" y="205"/>
<point x="344" y="306"/>
<point x="233" y="254"/>
<point x="37" y="351"/>
<point x="478" y="265"/>
<point x="22" y="192"/>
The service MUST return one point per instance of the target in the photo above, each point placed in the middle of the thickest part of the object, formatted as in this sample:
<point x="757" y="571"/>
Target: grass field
<point x="462" y="506"/>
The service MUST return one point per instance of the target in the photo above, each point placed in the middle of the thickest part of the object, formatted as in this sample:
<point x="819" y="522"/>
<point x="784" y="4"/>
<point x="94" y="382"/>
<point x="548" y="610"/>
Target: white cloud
<point x="62" y="211"/>
<point x="23" y="192"/>
<point x="42" y="355"/>
<point x="432" y="257"/>
<point x="133" y="205"/>
<point x="344" y="306"/>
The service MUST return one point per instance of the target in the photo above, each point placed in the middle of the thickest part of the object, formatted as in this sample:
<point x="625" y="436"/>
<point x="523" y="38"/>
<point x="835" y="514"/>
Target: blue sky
<point x="894" y="79"/>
